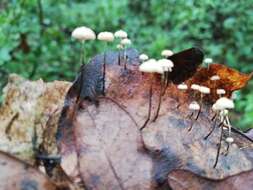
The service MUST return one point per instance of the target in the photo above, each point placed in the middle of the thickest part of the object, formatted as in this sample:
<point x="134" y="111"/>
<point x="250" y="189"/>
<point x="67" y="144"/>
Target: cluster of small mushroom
<point x="221" y="107"/>
<point x="84" y="33"/>
<point x="160" y="66"/>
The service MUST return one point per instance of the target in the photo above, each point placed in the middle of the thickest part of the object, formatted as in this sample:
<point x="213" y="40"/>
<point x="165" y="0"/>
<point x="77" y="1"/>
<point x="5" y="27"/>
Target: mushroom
<point x="182" y="86"/>
<point x="82" y="34"/>
<point x="107" y="37"/>
<point x="125" y="42"/>
<point x="167" y="53"/>
<point x="208" y="61"/>
<point x="150" y="66"/>
<point x="143" y="57"/>
<point x="220" y="91"/>
<point x="222" y="105"/>
<point x="119" y="47"/>
<point x="120" y="34"/>
<point x="195" y="88"/>
<point x="194" y="106"/>
<point x="166" y="66"/>
<point x="203" y="90"/>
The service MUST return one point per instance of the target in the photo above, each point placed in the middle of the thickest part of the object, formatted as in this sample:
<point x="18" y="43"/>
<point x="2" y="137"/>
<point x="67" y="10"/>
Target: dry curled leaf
<point x="230" y="79"/>
<point x="185" y="180"/>
<point x="100" y="140"/>
<point x="16" y="175"/>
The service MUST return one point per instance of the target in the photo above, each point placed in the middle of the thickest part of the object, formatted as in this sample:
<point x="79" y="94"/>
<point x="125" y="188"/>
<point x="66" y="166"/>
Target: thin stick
<point x="241" y="133"/>
<point x="219" y="146"/>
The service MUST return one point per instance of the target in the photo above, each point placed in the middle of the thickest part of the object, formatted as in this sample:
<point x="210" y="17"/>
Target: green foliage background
<point x="35" y="35"/>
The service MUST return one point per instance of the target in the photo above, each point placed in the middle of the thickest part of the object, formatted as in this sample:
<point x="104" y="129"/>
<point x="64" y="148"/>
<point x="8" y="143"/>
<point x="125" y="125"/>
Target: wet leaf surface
<point x="185" y="180"/>
<point x="16" y="175"/>
<point x="101" y="141"/>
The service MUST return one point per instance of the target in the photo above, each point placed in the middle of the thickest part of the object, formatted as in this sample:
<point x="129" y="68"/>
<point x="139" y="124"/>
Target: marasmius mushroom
<point x="83" y="34"/>
<point x="107" y="37"/>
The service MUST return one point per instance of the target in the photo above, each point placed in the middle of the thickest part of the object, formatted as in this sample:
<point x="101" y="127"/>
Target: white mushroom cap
<point x="182" y="86"/>
<point x="194" y="106"/>
<point x="143" y="57"/>
<point x="229" y="140"/>
<point x="150" y="66"/>
<point x="223" y="103"/>
<point x="167" y="53"/>
<point x="204" y="90"/>
<point x="215" y="77"/>
<point x="105" y="36"/>
<point x="208" y="60"/>
<point x="165" y="64"/>
<point x="195" y="87"/>
<point x="119" y="46"/>
<point x="83" y="33"/>
<point x="220" y="91"/>
<point x="120" y="34"/>
<point x="126" y="41"/>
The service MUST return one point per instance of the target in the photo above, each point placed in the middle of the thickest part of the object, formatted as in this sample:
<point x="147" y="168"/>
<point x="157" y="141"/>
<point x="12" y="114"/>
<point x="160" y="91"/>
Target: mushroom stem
<point x="149" y="105"/>
<point x="81" y="68"/>
<point x="104" y="70"/>
<point x="125" y="64"/>
<point x="214" y="117"/>
<point x="124" y="58"/>
<point x="201" y="97"/>
<point x="227" y="150"/>
<point x="211" y="131"/>
<point x="219" y="146"/>
<point x="160" y="101"/>
<point x="82" y="53"/>
<point x="119" y="57"/>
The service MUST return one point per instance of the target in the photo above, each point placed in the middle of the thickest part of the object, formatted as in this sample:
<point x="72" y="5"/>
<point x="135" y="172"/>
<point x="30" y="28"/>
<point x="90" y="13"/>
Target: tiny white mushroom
<point x="126" y="41"/>
<point x="204" y="90"/>
<point x="167" y="53"/>
<point x="119" y="46"/>
<point x="229" y="140"/>
<point x="182" y="86"/>
<point x="195" y="87"/>
<point x="150" y="66"/>
<point x="120" y="34"/>
<point x="83" y="33"/>
<point x="223" y="103"/>
<point x="208" y="60"/>
<point x="166" y="64"/>
<point x="143" y="57"/>
<point x="105" y="36"/>
<point x="215" y="77"/>
<point x="220" y="91"/>
<point x="194" y="106"/>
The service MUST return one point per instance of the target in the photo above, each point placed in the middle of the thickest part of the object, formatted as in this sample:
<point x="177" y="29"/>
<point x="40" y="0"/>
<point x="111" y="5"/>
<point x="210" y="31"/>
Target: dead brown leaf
<point x="185" y="180"/>
<point x="16" y="175"/>
<point x="230" y="79"/>
<point x="102" y="142"/>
